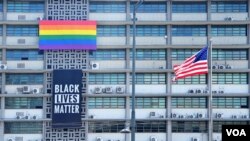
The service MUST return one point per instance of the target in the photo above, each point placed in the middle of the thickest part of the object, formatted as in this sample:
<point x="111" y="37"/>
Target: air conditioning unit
<point x="161" y="67"/>
<point x="191" y="116"/>
<point x="218" y="115"/>
<point x="19" y="115"/>
<point x="194" y="139"/>
<point x="92" y="116"/>
<point x="20" y="65"/>
<point x="152" y="114"/>
<point x="222" y="67"/>
<point x="198" y="91"/>
<point x="35" y="90"/>
<point x="181" y="116"/>
<point x="26" y="90"/>
<point x="174" y="115"/>
<point x="120" y="90"/>
<point x="228" y="66"/>
<point x="214" y="92"/>
<point x="221" y="90"/>
<point x="215" y="67"/>
<point x="21" y="41"/>
<point x="153" y="138"/>
<point x="34" y="117"/>
<point x="97" y="90"/>
<point x="18" y="138"/>
<point x="228" y="19"/>
<point x="234" y="116"/>
<point x="95" y="66"/>
<point x="200" y="115"/>
<point x="191" y="91"/>
<point x="108" y="90"/>
<point x="3" y="66"/>
<point x="205" y="91"/>
<point x="10" y="139"/>
<point x="39" y="18"/>
<point x="21" y="17"/>
<point x="244" y="116"/>
<point x="99" y="139"/>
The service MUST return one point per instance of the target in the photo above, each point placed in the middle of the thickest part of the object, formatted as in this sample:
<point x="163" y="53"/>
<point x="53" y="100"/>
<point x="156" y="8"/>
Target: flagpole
<point x="210" y="138"/>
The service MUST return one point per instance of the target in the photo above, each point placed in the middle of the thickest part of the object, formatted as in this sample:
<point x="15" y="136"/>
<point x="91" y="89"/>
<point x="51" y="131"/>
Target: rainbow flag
<point x="67" y="35"/>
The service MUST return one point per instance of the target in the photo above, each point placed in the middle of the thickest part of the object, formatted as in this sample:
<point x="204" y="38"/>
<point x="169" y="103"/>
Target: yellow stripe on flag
<point x="67" y="32"/>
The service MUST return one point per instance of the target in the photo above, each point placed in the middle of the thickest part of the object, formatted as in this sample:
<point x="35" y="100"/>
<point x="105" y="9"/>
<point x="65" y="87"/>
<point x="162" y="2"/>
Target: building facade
<point x="167" y="32"/>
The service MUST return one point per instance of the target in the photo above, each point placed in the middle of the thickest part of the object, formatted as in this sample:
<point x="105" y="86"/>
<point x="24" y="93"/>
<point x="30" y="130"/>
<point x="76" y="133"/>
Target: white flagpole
<point x="210" y="91"/>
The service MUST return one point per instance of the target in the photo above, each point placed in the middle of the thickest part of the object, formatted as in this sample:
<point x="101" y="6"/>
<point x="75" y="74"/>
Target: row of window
<point x="117" y="126"/>
<point x="141" y="54"/>
<point x="177" y="7"/>
<point x="140" y="102"/>
<point x="142" y="30"/>
<point x="140" y="78"/>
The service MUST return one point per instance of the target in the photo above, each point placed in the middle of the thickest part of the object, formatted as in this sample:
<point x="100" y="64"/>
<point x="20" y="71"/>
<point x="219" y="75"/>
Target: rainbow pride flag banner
<point x="56" y="35"/>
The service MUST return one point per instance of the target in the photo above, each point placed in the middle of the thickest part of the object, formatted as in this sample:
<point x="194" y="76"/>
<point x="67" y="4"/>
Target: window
<point x="189" y="102"/>
<point x="107" y="7"/>
<point x="21" y="79"/>
<point x="25" y="6"/>
<point x="151" y="126"/>
<point x="1" y="30"/>
<point x="150" y="54"/>
<point x="197" y="79"/>
<point x="229" y="6"/>
<point x="230" y="78"/>
<point x="182" y="54"/>
<point x="229" y="30"/>
<point x="23" y="127"/>
<point x="149" y="30"/>
<point x="1" y="5"/>
<point x="189" y="126"/>
<point x="150" y="7"/>
<point x="150" y="78"/>
<point x="230" y="102"/>
<point x="107" y="78"/>
<point x="230" y="54"/>
<point x="111" y="30"/>
<point x="108" y="54"/>
<point x="24" y="55"/>
<point x="22" y="30"/>
<point x="23" y="103"/>
<point x="189" y="7"/>
<point x="106" y="103"/>
<point x="106" y="126"/>
<point x="189" y="30"/>
<point x="149" y="102"/>
<point x="217" y="125"/>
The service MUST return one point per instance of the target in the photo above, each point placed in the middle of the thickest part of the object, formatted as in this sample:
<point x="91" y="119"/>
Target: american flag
<point x="194" y="65"/>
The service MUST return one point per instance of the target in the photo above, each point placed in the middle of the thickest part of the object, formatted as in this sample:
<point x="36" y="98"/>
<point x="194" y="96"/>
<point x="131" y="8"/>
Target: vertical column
<point x="208" y="10"/>
<point x="127" y="117"/>
<point x="46" y="9"/>
<point x="127" y="58"/>
<point x="169" y="35"/>
<point x="4" y="10"/>
<point x="248" y="34"/>
<point x="169" y="9"/>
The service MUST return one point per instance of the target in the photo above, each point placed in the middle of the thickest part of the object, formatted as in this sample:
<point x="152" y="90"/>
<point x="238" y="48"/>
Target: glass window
<point x="150" y="7"/>
<point x="197" y="79"/>
<point x="24" y="79"/>
<point x="151" y="126"/>
<point x="189" y="30"/>
<point x="149" y="30"/>
<point x="23" y="127"/>
<point x="189" y="7"/>
<point x="150" y="54"/>
<point x="229" y="6"/>
<point x="1" y="5"/>
<point x="189" y="102"/>
<point x="182" y="54"/>
<point x="22" y="30"/>
<point x="230" y="102"/>
<point x="230" y="54"/>
<point x="106" y="103"/>
<point x="111" y="30"/>
<point x="23" y="103"/>
<point x="106" y="126"/>
<point x="25" y="6"/>
<point x="230" y="78"/>
<point x="24" y="54"/>
<point x="189" y="126"/>
<point x="1" y="30"/>
<point x="107" y="7"/>
<point x="150" y="78"/>
<point x="217" y="125"/>
<point x="108" y="54"/>
<point x="229" y="30"/>
<point x="107" y="78"/>
<point x="149" y="102"/>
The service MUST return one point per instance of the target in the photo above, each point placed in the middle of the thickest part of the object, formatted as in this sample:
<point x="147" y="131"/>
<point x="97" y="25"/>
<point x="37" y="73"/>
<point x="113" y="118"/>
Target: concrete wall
<point x="113" y="64"/>
<point x="189" y="40"/>
<point x="107" y="113"/>
<point x="108" y="16"/>
<point x="25" y="16"/>
<point x="189" y="136"/>
<point x="144" y="113"/>
<point x="149" y="64"/>
<point x="111" y="40"/>
<point x="11" y="113"/>
<point x="222" y="16"/>
<point x="106" y="136"/>
<point x="151" y="16"/>
<point x="26" y="137"/>
<point x="28" y="64"/>
<point x="10" y="40"/>
<point x="149" y="89"/>
<point x="183" y="89"/>
<point x="185" y="112"/>
<point x="92" y="87"/>
<point x="12" y="89"/>
<point x="234" y="40"/>
<point x="149" y="40"/>
<point x="189" y="16"/>
<point x="228" y="113"/>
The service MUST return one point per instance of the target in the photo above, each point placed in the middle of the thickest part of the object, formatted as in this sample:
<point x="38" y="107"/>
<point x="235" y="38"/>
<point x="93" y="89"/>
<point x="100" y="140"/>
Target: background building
<point x="168" y="31"/>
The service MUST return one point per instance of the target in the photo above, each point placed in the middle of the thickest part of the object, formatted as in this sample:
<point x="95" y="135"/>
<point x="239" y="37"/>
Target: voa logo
<point x="236" y="132"/>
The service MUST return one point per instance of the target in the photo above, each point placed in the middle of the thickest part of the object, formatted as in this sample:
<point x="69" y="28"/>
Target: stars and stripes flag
<point x="194" y="65"/>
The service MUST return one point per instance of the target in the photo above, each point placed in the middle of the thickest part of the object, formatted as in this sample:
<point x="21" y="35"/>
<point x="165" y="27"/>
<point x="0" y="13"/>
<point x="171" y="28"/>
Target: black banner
<point x="66" y="101"/>
<point x="235" y="132"/>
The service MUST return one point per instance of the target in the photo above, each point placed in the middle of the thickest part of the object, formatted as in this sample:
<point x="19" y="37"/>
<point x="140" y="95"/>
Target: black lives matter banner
<point x="67" y="86"/>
